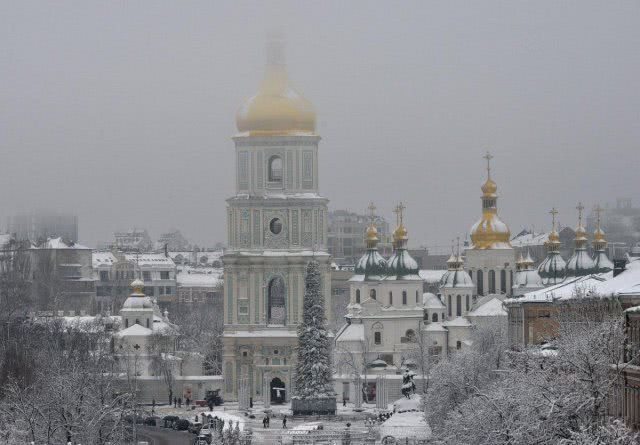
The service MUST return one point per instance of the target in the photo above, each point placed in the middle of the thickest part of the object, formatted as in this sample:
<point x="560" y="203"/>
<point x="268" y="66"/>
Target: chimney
<point x="619" y="266"/>
<point x="166" y="250"/>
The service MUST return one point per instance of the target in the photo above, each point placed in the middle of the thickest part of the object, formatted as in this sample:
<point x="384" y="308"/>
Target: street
<point x="165" y="436"/>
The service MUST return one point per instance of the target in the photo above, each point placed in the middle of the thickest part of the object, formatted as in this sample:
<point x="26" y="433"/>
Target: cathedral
<point x="277" y="223"/>
<point x="490" y="258"/>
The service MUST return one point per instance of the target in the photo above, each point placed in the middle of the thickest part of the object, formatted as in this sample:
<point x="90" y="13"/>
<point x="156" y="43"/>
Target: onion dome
<point x="600" y="259"/>
<point x="401" y="265"/>
<point x="372" y="265"/>
<point x="456" y="276"/>
<point x="277" y="108"/>
<point x="378" y="365"/>
<point x="526" y="277"/>
<point x="137" y="299"/>
<point x="580" y="263"/>
<point x="490" y="232"/>
<point x="553" y="269"/>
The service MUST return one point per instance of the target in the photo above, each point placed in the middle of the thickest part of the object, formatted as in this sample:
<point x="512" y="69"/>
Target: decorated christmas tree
<point x="313" y="370"/>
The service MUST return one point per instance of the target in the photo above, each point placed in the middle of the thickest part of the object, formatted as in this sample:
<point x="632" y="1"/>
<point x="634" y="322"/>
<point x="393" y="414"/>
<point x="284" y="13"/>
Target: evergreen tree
<point x="313" y="370"/>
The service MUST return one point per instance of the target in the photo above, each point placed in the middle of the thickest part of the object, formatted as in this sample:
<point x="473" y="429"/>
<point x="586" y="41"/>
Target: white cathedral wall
<point x="382" y="290"/>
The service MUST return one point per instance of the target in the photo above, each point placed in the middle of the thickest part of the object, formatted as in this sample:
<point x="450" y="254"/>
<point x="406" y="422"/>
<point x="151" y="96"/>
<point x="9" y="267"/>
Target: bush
<point x="181" y="425"/>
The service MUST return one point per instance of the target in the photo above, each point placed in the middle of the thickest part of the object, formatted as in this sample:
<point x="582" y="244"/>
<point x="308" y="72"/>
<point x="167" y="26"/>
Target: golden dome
<point x="489" y="187"/>
<point x="277" y="108"/>
<point x="490" y="232"/>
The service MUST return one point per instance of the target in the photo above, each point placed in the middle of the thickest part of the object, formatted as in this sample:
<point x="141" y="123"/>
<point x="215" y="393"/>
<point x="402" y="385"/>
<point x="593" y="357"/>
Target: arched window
<point x="503" y="281"/>
<point x="449" y="305"/>
<point x="404" y="297"/>
<point x="138" y="321"/>
<point x="147" y="323"/>
<point x="276" y="301"/>
<point x="458" y="345"/>
<point x="458" y="305"/>
<point x="372" y="294"/>
<point x="275" y="169"/>
<point x="126" y="322"/>
<point x="377" y="337"/>
<point x="480" y="282"/>
<point x="471" y="274"/>
<point x="492" y="281"/>
<point x="467" y="303"/>
<point x="357" y="295"/>
<point x="410" y="336"/>
<point x="417" y="301"/>
<point x="434" y="317"/>
<point x="390" y="298"/>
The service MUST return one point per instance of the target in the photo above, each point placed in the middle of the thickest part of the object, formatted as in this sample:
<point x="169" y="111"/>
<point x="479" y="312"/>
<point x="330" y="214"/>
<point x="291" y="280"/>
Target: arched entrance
<point x="275" y="300"/>
<point x="277" y="391"/>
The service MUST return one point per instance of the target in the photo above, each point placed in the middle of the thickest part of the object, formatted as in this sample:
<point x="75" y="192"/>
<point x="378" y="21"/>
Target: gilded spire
<point x="490" y="232"/>
<point x="581" y="233"/>
<point x="554" y="238"/>
<point x="400" y="234"/>
<point x="598" y="234"/>
<point x="371" y="232"/>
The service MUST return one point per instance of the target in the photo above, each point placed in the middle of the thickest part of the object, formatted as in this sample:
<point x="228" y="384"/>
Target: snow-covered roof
<point x="457" y="322"/>
<point x="492" y="308"/>
<point x="200" y="277"/>
<point x="59" y="243"/>
<point x="435" y="327"/>
<point x="431" y="275"/>
<point x="281" y="253"/>
<point x="102" y="259"/>
<point x="525" y="239"/>
<point x="4" y="239"/>
<point x="150" y="259"/>
<point x="430" y="301"/>
<point x="135" y="330"/>
<point x="566" y="290"/>
<point x="353" y="332"/>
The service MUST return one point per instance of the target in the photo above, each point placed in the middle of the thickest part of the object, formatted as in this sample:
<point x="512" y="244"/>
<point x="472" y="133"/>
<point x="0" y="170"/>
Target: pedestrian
<point x="284" y="422"/>
<point x="187" y="402"/>
<point x="268" y="421"/>
<point x="344" y="402"/>
<point x="180" y="402"/>
<point x="264" y="421"/>
<point x="175" y="402"/>
<point x="196" y="418"/>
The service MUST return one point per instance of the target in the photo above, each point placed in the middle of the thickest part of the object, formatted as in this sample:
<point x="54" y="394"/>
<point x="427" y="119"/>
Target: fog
<point x="123" y="112"/>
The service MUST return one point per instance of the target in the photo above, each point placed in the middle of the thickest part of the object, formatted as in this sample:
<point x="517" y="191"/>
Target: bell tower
<point x="276" y="223"/>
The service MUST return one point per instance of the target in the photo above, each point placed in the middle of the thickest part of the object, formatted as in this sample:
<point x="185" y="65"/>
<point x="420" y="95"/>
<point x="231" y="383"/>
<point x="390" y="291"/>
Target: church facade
<point x="277" y="223"/>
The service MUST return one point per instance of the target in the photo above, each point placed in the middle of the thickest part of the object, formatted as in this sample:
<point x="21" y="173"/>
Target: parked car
<point x="151" y="421"/>
<point x="169" y="421"/>
<point x="195" y="427"/>
<point x="203" y="440"/>
<point x="181" y="425"/>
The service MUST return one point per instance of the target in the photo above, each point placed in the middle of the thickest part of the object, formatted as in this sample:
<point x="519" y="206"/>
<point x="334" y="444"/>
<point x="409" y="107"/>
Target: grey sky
<point x="123" y="111"/>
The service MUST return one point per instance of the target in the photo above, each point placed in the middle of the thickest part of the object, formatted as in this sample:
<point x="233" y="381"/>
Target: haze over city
<point x="123" y="113"/>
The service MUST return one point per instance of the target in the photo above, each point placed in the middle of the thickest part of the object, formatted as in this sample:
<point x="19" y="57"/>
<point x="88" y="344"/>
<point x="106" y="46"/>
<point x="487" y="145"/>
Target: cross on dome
<point x="553" y="212"/>
<point x="580" y="208"/>
<point x="372" y="209"/>
<point x="488" y="157"/>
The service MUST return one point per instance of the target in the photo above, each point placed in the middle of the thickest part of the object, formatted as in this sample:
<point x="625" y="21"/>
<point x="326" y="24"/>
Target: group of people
<point x="266" y="420"/>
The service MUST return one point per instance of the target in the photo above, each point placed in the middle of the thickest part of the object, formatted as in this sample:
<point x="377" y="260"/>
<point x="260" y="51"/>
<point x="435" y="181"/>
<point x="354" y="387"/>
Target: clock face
<point x="275" y="226"/>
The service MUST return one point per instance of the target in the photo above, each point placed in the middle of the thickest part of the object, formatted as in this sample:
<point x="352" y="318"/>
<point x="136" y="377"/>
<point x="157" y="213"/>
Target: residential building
<point x="133" y="240"/>
<point x="39" y="226"/>
<point x="346" y="235"/>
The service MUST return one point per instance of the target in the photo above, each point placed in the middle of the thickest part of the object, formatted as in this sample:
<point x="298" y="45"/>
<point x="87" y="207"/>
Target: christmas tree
<point x="313" y="370"/>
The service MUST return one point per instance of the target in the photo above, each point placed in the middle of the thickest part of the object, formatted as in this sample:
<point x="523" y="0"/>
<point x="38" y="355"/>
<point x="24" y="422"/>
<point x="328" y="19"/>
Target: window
<point x="168" y="291"/>
<point x="147" y="323"/>
<point x="275" y="226"/>
<point x="126" y="322"/>
<point x="458" y="345"/>
<point x="390" y="298"/>
<point x="458" y="305"/>
<point x="276" y="301"/>
<point x="357" y="295"/>
<point x="480" y="282"/>
<point x="404" y="297"/>
<point x="104" y="275"/>
<point x="471" y="274"/>
<point x="434" y="317"/>
<point x="449" y="305"/>
<point x="372" y="294"/>
<point x="138" y="321"/>
<point x="377" y="337"/>
<point x="410" y="336"/>
<point x="146" y="275"/>
<point x="417" y="301"/>
<point x="164" y="275"/>
<point x="275" y="169"/>
<point x="148" y="291"/>
<point x="492" y="281"/>
<point x="467" y="305"/>
<point x="503" y="281"/>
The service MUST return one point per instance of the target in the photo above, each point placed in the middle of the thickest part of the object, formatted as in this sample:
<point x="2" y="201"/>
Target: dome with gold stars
<point x="490" y="232"/>
<point x="277" y="108"/>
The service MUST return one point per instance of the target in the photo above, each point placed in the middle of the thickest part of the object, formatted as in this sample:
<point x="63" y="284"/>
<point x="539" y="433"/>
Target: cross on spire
<point x="598" y="211"/>
<point x="372" y="209"/>
<point x="580" y="208"/>
<point x="399" y="211"/>
<point x="458" y="241"/>
<point x="553" y="214"/>
<point x="488" y="157"/>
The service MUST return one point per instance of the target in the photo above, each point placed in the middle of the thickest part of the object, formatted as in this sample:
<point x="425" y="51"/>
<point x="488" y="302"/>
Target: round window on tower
<point x="275" y="226"/>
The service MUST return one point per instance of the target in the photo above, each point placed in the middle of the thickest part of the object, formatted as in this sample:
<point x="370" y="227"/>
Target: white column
<point x="266" y="390"/>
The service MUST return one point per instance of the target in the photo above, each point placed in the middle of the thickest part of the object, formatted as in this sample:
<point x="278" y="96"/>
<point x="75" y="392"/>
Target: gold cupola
<point x="277" y="109"/>
<point x="490" y="232"/>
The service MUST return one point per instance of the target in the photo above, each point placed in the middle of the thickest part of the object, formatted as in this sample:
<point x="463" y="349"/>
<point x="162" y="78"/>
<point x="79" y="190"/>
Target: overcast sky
<point x="123" y="112"/>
